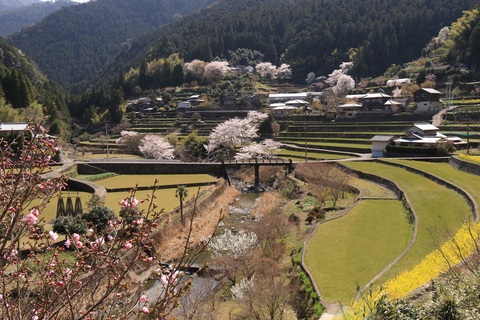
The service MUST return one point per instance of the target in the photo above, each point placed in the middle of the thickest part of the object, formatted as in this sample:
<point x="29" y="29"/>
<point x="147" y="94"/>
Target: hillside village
<point x="241" y="159"/>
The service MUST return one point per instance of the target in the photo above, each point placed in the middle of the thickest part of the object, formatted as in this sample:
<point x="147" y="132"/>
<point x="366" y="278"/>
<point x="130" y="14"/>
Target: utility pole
<point x="106" y="135"/>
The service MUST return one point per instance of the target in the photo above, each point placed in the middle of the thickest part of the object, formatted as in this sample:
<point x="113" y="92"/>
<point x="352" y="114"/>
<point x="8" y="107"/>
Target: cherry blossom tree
<point x="266" y="70"/>
<point x="215" y="70"/>
<point x="90" y="276"/>
<point x="129" y="141"/>
<point x="196" y="68"/>
<point x="343" y="85"/>
<point x="284" y="72"/>
<point x="155" y="147"/>
<point x="267" y="149"/>
<point x="234" y="251"/>
<point x="340" y="81"/>
<point x="234" y="133"/>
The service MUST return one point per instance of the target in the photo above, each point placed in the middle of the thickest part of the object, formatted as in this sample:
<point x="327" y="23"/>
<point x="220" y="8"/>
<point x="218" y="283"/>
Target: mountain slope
<point x="12" y="4"/>
<point x="12" y="21"/>
<point x="75" y="42"/>
<point x="310" y="35"/>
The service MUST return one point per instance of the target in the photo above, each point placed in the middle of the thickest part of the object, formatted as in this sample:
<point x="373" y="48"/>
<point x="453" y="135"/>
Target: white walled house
<point x="427" y="135"/>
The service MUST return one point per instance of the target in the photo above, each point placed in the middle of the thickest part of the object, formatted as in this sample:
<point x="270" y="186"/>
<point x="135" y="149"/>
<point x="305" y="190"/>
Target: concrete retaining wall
<point x="91" y="168"/>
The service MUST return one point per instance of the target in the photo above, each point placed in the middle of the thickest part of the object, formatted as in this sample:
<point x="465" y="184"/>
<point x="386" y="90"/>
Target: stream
<point x="239" y="212"/>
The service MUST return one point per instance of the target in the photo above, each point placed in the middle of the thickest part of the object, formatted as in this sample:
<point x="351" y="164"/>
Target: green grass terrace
<point x="348" y="252"/>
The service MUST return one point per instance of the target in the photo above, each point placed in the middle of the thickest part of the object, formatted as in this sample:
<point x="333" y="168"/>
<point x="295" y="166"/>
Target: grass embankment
<point x="347" y="146"/>
<point x="468" y="182"/>
<point x="438" y="209"/>
<point x="300" y="155"/>
<point x="350" y="251"/>
<point x="147" y="180"/>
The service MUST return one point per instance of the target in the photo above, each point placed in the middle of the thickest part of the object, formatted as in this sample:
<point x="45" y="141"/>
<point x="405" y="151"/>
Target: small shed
<point x="379" y="145"/>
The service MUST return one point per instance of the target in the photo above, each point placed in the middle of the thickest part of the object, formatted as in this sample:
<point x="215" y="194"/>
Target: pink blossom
<point x="76" y="237"/>
<point x="143" y="298"/>
<point x="163" y="280"/>
<point x="53" y="235"/>
<point x="133" y="202"/>
<point x="68" y="243"/>
<point x="110" y="237"/>
<point x="145" y="310"/>
<point x="30" y="218"/>
<point x="149" y="259"/>
<point x="79" y="244"/>
<point x="68" y="272"/>
<point x="35" y="212"/>
<point x="129" y="202"/>
<point x="97" y="243"/>
<point x="128" y="245"/>
<point x="124" y="203"/>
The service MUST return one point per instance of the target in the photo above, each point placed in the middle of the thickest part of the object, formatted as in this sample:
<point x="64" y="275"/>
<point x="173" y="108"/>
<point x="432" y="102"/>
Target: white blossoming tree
<point x="266" y="149"/>
<point x="235" y="133"/>
<point x="339" y="80"/>
<point x="266" y="70"/>
<point x="196" y="68"/>
<point x="233" y="252"/>
<point x="215" y="71"/>
<point x="155" y="147"/>
<point x="284" y="72"/>
<point x="129" y="141"/>
<point x="344" y="84"/>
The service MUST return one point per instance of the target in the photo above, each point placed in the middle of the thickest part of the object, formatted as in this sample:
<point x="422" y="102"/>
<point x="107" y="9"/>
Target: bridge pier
<point x="256" y="185"/>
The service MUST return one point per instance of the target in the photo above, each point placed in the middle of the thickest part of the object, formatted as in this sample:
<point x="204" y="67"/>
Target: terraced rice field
<point x="349" y="252"/>
<point x="439" y="210"/>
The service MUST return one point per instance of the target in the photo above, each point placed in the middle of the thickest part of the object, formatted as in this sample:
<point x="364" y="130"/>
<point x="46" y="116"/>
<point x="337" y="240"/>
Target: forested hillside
<point x="14" y="20"/>
<point x="12" y="4"/>
<point x="310" y="35"/>
<point x="73" y="43"/>
<point x="27" y="95"/>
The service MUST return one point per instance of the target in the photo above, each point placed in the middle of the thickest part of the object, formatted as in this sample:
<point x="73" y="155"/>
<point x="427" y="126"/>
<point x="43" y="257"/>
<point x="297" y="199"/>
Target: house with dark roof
<point x="427" y="100"/>
<point x="375" y="101"/>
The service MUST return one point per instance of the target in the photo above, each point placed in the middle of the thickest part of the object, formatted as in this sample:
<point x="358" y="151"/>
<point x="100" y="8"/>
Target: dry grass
<point x="269" y="203"/>
<point x="204" y="224"/>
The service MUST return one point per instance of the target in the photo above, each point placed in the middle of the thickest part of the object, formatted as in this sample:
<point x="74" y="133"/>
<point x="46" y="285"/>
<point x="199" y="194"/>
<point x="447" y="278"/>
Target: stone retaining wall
<point x="465" y="166"/>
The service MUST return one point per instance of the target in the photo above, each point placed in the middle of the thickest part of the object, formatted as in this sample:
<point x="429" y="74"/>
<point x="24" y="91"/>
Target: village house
<point x="284" y="97"/>
<point x="230" y="101"/>
<point x="427" y="135"/>
<point x="376" y="101"/>
<point x="348" y="110"/>
<point x="427" y="100"/>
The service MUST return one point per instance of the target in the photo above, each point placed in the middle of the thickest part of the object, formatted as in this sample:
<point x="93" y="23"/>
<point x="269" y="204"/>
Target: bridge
<point x="217" y="169"/>
<point x="256" y="163"/>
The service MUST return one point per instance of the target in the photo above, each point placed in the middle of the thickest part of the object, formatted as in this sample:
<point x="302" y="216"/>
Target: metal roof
<point x="380" y="138"/>
<point x="13" y="126"/>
